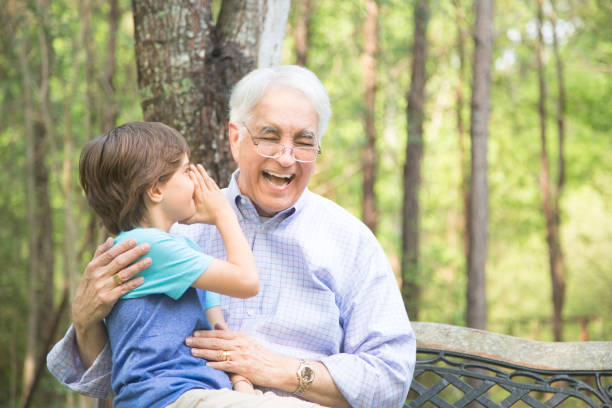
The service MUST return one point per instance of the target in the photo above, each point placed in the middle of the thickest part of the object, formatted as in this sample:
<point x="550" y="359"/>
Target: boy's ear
<point x="155" y="193"/>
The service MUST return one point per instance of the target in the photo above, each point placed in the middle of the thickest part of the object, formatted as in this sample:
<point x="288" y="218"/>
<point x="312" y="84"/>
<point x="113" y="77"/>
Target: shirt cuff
<point x="365" y="383"/>
<point x="65" y="364"/>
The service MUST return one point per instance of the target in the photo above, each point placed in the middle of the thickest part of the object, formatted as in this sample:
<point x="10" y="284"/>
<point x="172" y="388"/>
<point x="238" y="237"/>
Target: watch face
<point x="307" y="374"/>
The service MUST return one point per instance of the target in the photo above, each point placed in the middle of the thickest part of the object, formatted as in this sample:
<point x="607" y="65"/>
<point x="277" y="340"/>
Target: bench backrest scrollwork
<point x="462" y="367"/>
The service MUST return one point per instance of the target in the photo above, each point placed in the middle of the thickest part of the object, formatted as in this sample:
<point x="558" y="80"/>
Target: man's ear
<point x="155" y="193"/>
<point x="234" y="139"/>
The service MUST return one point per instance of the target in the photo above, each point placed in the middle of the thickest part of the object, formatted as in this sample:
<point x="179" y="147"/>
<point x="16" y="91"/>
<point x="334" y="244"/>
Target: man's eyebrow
<point x="305" y="134"/>
<point x="269" y="129"/>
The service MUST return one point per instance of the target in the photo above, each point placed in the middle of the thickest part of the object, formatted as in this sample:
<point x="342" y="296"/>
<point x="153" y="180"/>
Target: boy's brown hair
<point x="117" y="168"/>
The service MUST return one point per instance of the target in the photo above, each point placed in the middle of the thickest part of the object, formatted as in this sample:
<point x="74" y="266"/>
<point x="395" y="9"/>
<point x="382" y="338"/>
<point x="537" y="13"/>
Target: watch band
<point x="305" y="377"/>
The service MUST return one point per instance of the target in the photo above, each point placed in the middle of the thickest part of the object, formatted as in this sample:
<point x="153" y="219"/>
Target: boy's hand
<point x="242" y="384"/>
<point x="210" y="202"/>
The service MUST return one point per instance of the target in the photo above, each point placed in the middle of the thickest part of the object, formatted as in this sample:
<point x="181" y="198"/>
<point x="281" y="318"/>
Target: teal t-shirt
<point x="177" y="262"/>
<point x="152" y="366"/>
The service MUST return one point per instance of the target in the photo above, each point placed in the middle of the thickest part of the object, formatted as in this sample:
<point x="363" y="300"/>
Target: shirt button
<point x="250" y="312"/>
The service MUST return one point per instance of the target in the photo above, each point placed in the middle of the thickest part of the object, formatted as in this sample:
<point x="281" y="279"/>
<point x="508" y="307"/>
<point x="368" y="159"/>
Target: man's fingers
<point x="124" y="288"/>
<point x="213" y="355"/>
<point x="212" y="346"/>
<point x="126" y="274"/>
<point x="124" y="258"/>
<point x="215" y="334"/>
<point x="227" y="366"/>
<point x="108" y="256"/>
<point x="103" y="247"/>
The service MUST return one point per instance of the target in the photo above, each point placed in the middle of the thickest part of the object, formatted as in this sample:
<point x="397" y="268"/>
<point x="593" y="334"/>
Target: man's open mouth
<point x="276" y="179"/>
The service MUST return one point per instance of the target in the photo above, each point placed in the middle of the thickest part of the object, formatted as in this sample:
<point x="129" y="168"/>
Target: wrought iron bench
<point x="462" y="367"/>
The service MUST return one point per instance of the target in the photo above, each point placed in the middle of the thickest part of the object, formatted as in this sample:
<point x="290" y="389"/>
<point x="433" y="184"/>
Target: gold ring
<point x="117" y="279"/>
<point x="226" y="355"/>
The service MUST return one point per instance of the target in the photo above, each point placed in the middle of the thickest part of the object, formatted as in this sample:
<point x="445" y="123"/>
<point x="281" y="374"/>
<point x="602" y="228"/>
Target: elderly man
<point x="328" y="324"/>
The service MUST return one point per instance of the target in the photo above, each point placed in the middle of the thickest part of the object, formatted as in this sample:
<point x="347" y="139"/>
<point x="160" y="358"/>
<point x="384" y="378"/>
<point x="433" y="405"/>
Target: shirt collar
<point x="245" y="207"/>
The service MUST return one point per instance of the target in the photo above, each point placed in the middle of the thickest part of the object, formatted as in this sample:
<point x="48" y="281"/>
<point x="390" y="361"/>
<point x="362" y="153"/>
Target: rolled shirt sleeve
<point x="64" y="363"/>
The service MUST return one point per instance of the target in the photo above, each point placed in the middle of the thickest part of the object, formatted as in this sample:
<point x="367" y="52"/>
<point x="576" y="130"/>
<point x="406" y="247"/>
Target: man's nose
<point x="286" y="158"/>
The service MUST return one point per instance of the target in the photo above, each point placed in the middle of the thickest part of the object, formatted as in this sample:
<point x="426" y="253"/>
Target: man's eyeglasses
<point x="274" y="150"/>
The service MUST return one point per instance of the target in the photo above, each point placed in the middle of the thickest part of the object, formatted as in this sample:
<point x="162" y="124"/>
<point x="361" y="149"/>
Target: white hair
<point x="252" y="87"/>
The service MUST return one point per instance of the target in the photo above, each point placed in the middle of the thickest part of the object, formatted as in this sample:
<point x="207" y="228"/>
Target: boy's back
<point x="151" y="365"/>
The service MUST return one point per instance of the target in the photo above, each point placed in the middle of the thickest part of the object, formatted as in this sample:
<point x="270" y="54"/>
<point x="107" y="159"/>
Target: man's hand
<point x="246" y="356"/>
<point x="99" y="289"/>
<point x="238" y="353"/>
<point x="107" y="277"/>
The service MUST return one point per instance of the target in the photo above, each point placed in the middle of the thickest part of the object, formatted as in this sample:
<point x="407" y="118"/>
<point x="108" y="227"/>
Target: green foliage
<point x="519" y="289"/>
<point x="518" y="281"/>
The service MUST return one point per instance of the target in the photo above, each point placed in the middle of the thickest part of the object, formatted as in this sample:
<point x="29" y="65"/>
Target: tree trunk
<point x="369" y="212"/>
<point x="43" y="133"/>
<point x="33" y="272"/>
<point x="41" y="287"/>
<point x="187" y="65"/>
<point x="301" y="34"/>
<point x="38" y="134"/>
<point x="70" y="229"/>
<point x="54" y="322"/>
<point x="549" y="197"/>
<point x="479" y="189"/>
<point x="558" y="273"/>
<point x="109" y="120"/>
<point x="463" y="156"/>
<point x="89" y="116"/>
<point x="415" y="115"/>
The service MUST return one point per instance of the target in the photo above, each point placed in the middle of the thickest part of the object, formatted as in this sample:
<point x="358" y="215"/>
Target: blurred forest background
<point x="68" y="72"/>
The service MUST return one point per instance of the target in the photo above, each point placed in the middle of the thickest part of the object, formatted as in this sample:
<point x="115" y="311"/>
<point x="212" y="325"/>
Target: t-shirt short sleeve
<point x="176" y="263"/>
<point x="212" y="299"/>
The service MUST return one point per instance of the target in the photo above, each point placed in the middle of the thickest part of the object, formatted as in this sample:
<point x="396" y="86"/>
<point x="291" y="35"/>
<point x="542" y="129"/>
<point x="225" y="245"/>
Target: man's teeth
<point x="284" y="178"/>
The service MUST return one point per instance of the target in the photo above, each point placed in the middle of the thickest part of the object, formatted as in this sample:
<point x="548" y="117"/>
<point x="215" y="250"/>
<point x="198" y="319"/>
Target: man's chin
<point x="270" y="209"/>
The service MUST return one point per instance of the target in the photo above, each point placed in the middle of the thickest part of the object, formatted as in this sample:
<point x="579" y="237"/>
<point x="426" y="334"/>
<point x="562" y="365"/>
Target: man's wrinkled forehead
<point x="262" y="118"/>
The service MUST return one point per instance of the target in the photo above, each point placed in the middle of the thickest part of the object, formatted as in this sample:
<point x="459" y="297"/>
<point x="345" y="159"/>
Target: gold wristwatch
<point x="305" y="375"/>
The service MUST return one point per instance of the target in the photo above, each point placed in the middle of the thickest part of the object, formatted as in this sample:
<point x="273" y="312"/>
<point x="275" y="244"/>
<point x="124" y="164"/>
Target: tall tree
<point x="187" y="65"/>
<point x="110" y="107"/>
<point x="302" y="31"/>
<point x="479" y="188"/>
<point x="550" y="200"/>
<point x="38" y="134"/>
<point x="415" y="114"/>
<point x="459" y="107"/>
<point x="33" y="272"/>
<point x="369" y="212"/>
<point x="557" y="258"/>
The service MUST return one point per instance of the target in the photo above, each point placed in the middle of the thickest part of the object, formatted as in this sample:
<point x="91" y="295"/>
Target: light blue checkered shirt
<point x="327" y="293"/>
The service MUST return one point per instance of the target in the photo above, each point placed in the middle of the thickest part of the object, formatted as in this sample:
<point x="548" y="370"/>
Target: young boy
<point x="138" y="179"/>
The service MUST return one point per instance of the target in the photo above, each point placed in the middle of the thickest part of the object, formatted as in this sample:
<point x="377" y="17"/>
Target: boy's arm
<point x="217" y="322"/>
<point x="237" y="276"/>
<point x="215" y="318"/>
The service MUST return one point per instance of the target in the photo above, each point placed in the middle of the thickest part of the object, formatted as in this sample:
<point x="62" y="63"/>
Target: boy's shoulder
<point x="160" y="242"/>
<point x="142" y="235"/>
